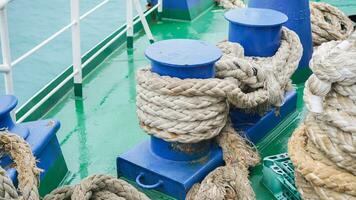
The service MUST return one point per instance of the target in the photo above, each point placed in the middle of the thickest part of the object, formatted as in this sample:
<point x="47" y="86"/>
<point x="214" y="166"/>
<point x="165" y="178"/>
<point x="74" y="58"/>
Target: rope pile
<point x="328" y="22"/>
<point x="193" y="110"/>
<point x="96" y="187"/>
<point x="230" y="4"/>
<point x="323" y="150"/>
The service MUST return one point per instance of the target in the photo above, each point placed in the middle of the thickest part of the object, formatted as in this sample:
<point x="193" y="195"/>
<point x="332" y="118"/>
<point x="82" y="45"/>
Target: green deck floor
<point x="103" y="125"/>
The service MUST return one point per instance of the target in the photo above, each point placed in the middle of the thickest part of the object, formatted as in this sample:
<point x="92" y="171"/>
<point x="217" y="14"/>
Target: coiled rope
<point x="323" y="150"/>
<point x="193" y="110"/>
<point x="96" y="187"/>
<point x="328" y="22"/>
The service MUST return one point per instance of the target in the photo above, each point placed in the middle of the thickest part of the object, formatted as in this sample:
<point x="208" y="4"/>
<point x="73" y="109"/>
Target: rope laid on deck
<point x="96" y="187"/>
<point x="230" y="181"/>
<point x="323" y="150"/>
<point x="193" y="110"/>
<point x="328" y="22"/>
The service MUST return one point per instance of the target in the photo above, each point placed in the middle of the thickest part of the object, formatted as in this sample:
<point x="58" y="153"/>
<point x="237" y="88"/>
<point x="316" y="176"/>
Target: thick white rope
<point x="323" y="150"/>
<point x="329" y="23"/>
<point x="230" y="4"/>
<point x="192" y="110"/>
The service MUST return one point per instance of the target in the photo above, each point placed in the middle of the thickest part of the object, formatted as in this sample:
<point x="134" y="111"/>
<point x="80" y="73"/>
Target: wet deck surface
<point x="96" y="129"/>
<point x="102" y="125"/>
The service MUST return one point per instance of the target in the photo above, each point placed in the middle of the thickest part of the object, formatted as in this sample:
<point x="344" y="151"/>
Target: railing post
<point x="160" y="9"/>
<point x="129" y="21"/>
<point x="143" y="20"/>
<point x="76" y="51"/>
<point x="5" y="48"/>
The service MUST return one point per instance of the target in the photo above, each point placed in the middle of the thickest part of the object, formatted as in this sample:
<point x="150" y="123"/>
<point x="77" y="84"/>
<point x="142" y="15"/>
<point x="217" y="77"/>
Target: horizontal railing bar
<point x="52" y="37"/>
<point x="46" y="41"/>
<point x="93" y="9"/>
<point x="38" y="104"/>
<point x="117" y="36"/>
<point x="44" y="99"/>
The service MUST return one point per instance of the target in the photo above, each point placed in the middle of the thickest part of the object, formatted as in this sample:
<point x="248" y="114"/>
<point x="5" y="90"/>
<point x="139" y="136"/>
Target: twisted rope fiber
<point x="230" y="181"/>
<point x="96" y="187"/>
<point x="329" y="23"/>
<point x="24" y="163"/>
<point x="192" y="110"/>
<point x="230" y="4"/>
<point x="323" y="150"/>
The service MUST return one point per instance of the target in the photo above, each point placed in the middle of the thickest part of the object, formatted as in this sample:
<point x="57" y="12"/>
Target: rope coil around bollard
<point x="96" y="187"/>
<point x="323" y="150"/>
<point x="193" y="110"/>
<point x="200" y="107"/>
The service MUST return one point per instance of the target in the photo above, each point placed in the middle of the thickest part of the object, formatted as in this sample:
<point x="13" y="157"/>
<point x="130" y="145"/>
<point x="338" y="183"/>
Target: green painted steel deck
<point x="103" y="124"/>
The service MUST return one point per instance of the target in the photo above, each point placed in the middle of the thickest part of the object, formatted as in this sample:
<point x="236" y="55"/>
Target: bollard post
<point x="173" y="167"/>
<point x="7" y="104"/>
<point x="298" y="12"/>
<point x="41" y="137"/>
<point x="258" y="31"/>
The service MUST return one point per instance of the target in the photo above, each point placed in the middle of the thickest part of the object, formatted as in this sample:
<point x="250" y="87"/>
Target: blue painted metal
<point x="173" y="168"/>
<point x="183" y="58"/>
<point x="257" y="30"/>
<point x="256" y="127"/>
<point x="298" y="12"/>
<point x="41" y="137"/>
<point x="7" y="104"/>
<point x="183" y="9"/>
<point x="177" y="177"/>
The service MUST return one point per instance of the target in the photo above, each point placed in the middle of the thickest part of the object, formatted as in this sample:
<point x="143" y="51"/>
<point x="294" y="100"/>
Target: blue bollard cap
<point x="183" y="58"/>
<point x="7" y="103"/>
<point x="257" y="30"/>
<point x="256" y="17"/>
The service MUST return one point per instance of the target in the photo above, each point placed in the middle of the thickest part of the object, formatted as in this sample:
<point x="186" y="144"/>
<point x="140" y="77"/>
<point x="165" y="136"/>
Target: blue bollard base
<point x="256" y="127"/>
<point x="44" y="144"/>
<point x="173" y="178"/>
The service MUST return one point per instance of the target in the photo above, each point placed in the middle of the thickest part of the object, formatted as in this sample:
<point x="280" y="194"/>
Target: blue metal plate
<point x="174" y="178"/>
<point x="257" y="127"/>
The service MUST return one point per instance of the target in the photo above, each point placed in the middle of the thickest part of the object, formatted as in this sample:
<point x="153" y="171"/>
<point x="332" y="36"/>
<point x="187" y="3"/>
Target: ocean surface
<point x="31" y="22"/>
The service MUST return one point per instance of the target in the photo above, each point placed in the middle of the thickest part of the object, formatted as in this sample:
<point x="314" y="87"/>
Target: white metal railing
<point x="8" y="64"/>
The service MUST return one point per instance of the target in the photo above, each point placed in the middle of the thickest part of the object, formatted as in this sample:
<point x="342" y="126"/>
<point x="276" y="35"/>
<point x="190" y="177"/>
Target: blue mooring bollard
<point x="259" y="32"/>
<point x="40" y="135"/>
<point x="173" y="168"/>
<point x="7" y="104"/>
<point x="298" y="12"/>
